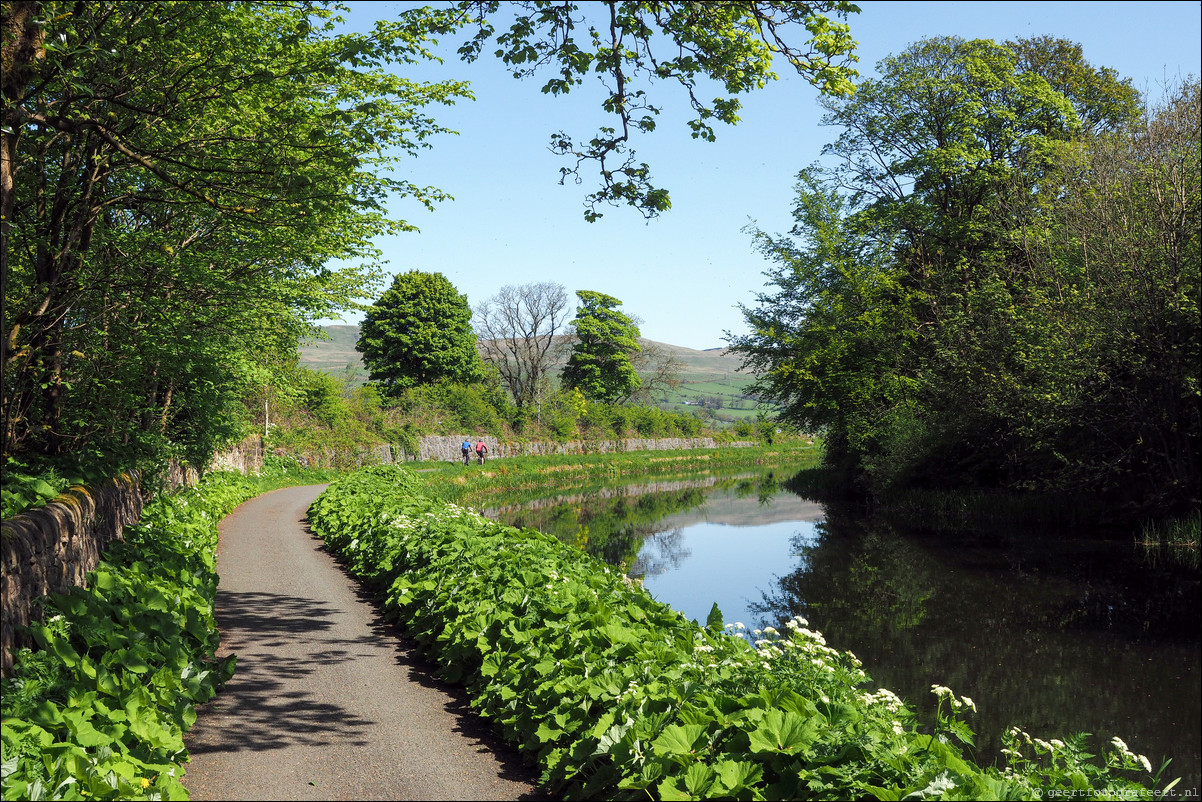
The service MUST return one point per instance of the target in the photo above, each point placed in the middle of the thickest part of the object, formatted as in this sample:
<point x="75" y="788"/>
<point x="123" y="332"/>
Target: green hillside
<point x="709" y="378"/>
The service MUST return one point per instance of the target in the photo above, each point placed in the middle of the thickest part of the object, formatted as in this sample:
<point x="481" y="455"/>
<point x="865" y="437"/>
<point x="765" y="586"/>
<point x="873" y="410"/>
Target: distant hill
<point x="709" y="377"/>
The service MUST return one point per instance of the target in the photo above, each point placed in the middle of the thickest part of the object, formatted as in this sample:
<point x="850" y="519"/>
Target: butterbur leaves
<point x="680" y="740"/>
<point x="135" y="654"/>
<point x="713" y="621"/>
<point x="784" y="731"/>
<point x="614" y="695"/>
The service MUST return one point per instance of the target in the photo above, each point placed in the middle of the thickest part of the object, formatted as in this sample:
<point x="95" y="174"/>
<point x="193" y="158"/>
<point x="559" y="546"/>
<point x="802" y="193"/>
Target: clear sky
<point x="685" y="273"/>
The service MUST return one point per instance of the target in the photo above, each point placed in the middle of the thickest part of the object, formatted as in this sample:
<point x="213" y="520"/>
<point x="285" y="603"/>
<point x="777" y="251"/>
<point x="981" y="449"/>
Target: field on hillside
<point x="709" y="378"/>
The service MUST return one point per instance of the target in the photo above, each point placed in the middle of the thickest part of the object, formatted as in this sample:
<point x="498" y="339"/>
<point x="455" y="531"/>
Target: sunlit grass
<point x="515" y="477"/>
<point x="1174" y="541"/>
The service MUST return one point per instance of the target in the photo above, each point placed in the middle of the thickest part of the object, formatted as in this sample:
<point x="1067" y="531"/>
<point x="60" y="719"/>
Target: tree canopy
<point x="181" y="175"/>
<point x="419" y="332"/>
<point x="990" y="287"/>
<point x="600" y="365"/>
<point x="629" y="46"/>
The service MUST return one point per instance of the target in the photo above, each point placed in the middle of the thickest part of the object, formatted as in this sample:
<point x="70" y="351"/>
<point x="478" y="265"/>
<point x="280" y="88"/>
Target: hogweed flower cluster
<point x="957" y="704"/>
<point x="1130" y="759"/>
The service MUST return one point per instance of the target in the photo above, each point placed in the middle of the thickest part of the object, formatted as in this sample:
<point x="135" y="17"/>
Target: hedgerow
<point x="614" y="695"/>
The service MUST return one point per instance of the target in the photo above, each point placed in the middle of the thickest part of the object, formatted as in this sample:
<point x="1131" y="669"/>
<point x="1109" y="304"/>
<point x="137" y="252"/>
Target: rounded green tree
<point x="419" y="332"/>
<point x="600" y="365"/>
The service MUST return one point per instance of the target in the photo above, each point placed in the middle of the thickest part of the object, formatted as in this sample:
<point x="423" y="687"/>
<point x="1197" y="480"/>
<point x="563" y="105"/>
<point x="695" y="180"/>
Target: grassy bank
<point x="514" y="477"/>
<point x="616" y="696"/>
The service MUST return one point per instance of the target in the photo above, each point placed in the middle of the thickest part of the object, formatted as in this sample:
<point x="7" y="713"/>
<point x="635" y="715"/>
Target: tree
<point x="600" y="365"/>
<point x="628" y="46"/>
<point x="1122" y="263"/>
<point x="517" y="329"/>
<point x="934" y="315"/>
<point x="176" y="177"/>
<point x="828" y="343"/>
<point x="419" y="332"/>
<point x="658" y="369"/>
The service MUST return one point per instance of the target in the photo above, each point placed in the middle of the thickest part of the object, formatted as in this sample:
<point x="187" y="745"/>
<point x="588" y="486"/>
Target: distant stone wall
<point x="245" y="457"/>
<point x="446" y="447"/>
<point x="380" y="454"/>
<point x="51" y="550"/>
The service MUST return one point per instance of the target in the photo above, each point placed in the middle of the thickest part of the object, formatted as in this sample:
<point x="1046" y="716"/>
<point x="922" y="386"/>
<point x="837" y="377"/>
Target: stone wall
<point x="380" y="454"/>
<point x="245" y="457"/>
<point x="51" y="549"/>
<point x="446" y="447"/>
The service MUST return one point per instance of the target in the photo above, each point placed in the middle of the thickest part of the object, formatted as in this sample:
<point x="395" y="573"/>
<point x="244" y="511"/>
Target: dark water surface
<point x="1055" y="635"/>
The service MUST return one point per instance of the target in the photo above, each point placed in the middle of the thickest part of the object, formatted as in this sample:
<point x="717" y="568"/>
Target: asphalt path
<point x="328" y="702"/>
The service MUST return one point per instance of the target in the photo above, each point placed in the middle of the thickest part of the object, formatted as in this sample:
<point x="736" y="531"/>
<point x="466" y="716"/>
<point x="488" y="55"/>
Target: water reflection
<point x="1050" y="634"/>
<point x="1053" y="635"/>
<point x="661" y="553"/>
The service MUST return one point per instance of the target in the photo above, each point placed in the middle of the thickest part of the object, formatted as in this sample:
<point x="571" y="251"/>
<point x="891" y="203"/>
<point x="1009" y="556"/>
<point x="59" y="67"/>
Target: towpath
<point x="327" y="702"/>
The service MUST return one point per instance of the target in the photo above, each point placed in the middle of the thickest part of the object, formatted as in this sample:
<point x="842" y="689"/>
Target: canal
<point x="1050" y="633"/>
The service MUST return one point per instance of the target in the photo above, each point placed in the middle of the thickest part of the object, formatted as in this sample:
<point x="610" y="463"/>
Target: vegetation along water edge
<point x="614" y="695"/>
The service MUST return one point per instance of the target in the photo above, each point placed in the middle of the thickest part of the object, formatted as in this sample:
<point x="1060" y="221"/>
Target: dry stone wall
<point x="245" y="457"/>
<point x="52" y="549"/>
<point x="446" y="447"/>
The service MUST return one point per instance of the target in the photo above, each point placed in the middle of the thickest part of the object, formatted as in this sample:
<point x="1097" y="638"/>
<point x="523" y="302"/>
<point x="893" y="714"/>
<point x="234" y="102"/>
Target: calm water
<point x="1056" y="636"/>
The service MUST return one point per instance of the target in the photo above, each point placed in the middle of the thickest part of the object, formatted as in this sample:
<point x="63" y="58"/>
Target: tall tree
<point x="517" y="329"/>
<point x="935" y="312"/>
<point x="419" y="332"/>
<point x="600" y="365"/>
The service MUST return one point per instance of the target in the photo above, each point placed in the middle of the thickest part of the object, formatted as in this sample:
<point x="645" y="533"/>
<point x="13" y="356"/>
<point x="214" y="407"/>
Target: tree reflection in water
<point x="661" y="552"/>
<point x="613" y="529"/>
<point x="1051" y="634"/>
<point x="1044" y="631"/>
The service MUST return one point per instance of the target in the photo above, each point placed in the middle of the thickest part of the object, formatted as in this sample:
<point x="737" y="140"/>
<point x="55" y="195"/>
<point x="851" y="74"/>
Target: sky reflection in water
<point x="731" y="565"/>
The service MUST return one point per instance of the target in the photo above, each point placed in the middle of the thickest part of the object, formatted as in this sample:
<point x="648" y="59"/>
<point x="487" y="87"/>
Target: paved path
<point x="327" y="702"/>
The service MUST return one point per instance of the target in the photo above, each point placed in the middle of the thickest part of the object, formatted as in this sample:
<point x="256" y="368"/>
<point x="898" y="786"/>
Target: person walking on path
<point x="481" y="451"/>
<point x="467" y="451"/>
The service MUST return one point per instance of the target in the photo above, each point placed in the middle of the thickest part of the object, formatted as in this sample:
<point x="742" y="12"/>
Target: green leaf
<point x="713" y="621"/>
<point x="677" y="739"/>
<point x="735" y="775"/>
<point x="781" y="731"/>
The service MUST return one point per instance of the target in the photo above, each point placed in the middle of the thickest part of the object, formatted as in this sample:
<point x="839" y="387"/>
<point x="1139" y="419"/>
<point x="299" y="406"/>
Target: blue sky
<point x="685" y="273"/>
